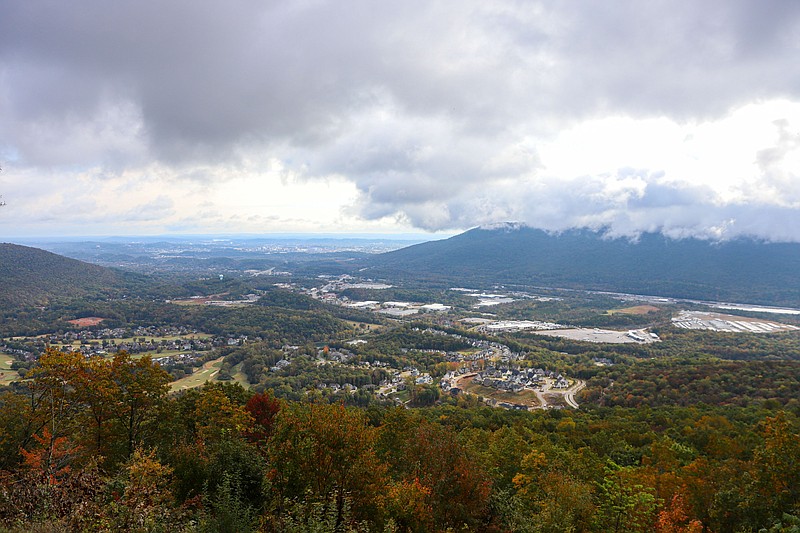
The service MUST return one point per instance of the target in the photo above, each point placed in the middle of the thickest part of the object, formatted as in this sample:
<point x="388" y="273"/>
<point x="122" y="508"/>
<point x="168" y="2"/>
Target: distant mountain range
<point x="513" y="255"/>
<point x="32" y="277"/>
<point x="739" y="270"/>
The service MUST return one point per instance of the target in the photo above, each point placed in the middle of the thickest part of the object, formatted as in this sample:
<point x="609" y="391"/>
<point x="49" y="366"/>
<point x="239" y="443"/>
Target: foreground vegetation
<point x="100" y="445"/>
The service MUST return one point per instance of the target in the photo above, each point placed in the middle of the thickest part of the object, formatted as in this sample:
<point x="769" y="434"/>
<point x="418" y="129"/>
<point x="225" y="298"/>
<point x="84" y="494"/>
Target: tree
<point x="52" y="392"/>
<point x="429" y="459"/>
<point x="263" y="407"/>
<point x="143" y="500"/>
<point x="217" y="418"/>
<point x="142" y="385"/>
<point x="624" y="506"/>
<point x="17" y="425"/>
<point x="325" y="453"/>
<point x="777" y="464"/>
<point x="549" y="497"/>
<point x="50" y="459"/>
<point x="675" y="519"/>
<point x="95" y="389"/>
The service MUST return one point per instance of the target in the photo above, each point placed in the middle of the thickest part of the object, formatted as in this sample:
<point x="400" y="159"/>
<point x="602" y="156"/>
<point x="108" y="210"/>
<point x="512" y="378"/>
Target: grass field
<point x="7" y="375"/>
<point x="367" y="326"/>
<point x="192" y="301"/>
<point x="403" y="395"/>
<point x="206" y="373"/>
<point x="239" y="377"/>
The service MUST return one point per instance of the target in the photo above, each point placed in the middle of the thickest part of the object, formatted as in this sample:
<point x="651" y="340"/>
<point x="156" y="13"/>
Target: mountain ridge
<point x="34" y="277"/>
<point x="737" y="270"/>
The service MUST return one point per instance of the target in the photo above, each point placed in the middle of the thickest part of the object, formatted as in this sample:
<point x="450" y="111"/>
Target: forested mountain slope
<point x="737" y="270"/>
<point x="29" y="276"/>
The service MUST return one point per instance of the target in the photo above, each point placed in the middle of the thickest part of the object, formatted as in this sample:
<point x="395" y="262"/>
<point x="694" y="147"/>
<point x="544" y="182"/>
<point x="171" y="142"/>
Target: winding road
<point x="569" y="394"/>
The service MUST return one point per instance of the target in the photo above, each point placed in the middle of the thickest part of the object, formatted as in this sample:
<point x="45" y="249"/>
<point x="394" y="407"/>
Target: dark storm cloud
<point x="429" y="108"/>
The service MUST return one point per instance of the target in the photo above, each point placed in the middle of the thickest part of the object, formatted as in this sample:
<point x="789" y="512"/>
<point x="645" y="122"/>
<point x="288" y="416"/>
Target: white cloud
<point x="681" y="117"/>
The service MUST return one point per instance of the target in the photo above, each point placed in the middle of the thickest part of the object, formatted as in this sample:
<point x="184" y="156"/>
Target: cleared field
<point x="86" y="322"/>
<point x="199" y="300"/>
<point x="206" y="373"/>
<point x="402" y="395"/>
<point x="597" y="335"/>
<point x="192" y="301"/>
<point x="239" y="377"/>
<point x="7" y="375"/>
<point x="526" y="397"/>
<point x="635" y="310"/>
<point x="555" y="400"/>
<point x="367" y="326"/>
<point x="155" y="355"/>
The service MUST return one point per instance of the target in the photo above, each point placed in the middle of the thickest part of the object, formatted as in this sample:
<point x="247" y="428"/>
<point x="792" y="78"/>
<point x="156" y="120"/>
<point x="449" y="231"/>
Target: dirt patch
<point x="86" y="322"/>
<point x="635" y="310"/>
<point x="527" y="397"/>
<point x="555" y="400"/>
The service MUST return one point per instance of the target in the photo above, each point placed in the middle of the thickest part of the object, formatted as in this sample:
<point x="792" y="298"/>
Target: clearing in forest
<point x="634" y="310"/>
<point x="207" y="373"/>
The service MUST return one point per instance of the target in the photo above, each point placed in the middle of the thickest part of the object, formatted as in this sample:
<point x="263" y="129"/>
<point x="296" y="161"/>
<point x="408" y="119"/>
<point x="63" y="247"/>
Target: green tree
<point x="326" y="453"/>
<point x="623" y="506"/>
<point x="142" y="387"/>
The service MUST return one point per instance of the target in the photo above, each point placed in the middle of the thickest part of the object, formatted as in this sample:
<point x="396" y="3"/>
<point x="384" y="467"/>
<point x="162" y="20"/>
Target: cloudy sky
<point x="251" y="116"/>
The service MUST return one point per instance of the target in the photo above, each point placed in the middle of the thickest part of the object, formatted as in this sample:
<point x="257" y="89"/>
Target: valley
<point x="502" y="372"/>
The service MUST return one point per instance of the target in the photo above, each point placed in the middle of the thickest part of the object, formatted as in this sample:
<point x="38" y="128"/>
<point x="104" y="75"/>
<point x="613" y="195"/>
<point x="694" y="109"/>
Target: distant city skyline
<point x="146" y="118"/>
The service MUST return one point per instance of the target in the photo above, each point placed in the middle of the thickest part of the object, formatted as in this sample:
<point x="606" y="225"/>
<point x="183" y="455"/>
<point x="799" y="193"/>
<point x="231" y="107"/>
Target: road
<point x="569" y="394"/>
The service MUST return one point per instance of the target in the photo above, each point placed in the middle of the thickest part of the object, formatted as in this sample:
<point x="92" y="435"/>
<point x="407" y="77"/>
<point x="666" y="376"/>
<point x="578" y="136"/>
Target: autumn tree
<point x="777" y="464"/>
<point x="326" y="453"/>
<point x="142" y="497"/>
<point x="217" y="417"/>
<point x="18" y="421"/>
<point x="549" y="495"/>
<point x="430" y="459"/>
<point x="674" y="518"/>
<point x="141" y="387"/>
<point x="53" y="407"/>
<point x="98" y="393"/>
<point x="263" y="407"/>
<point x="52" y="391"/>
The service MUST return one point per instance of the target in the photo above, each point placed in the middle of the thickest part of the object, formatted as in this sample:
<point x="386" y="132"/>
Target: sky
<point x="144" y="117"/>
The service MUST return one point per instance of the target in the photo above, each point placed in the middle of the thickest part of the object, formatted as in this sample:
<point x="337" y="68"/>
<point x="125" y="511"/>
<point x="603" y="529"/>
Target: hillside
<point x="30" y="276"/>
<point x="739" y="270"/>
